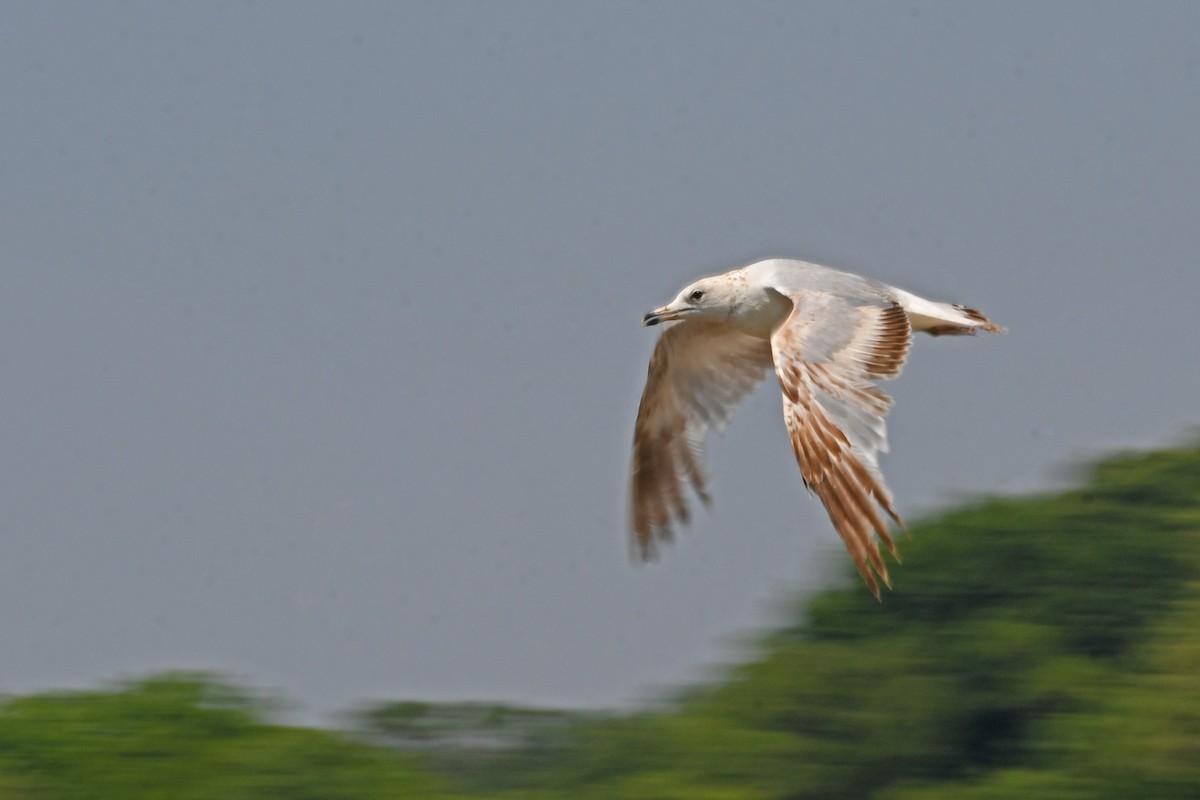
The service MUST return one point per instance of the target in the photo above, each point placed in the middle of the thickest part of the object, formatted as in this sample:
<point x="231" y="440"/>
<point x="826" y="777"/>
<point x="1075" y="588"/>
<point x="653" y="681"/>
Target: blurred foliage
<point x="1044" y="647"/>
<point x="185" y="736"/>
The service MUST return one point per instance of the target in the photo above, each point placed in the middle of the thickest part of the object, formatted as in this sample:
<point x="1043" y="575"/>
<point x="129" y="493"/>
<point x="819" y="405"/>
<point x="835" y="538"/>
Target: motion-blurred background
<point x="320" y="343"/>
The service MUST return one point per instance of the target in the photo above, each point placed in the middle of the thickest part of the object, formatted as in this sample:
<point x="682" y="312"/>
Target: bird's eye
<point x="696" y="295"/>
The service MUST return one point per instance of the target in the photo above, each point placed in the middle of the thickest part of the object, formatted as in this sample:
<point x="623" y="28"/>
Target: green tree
<point x="185" y="736"/>
<point x="1034" y="647"/>
<point x="1041" y="647"/>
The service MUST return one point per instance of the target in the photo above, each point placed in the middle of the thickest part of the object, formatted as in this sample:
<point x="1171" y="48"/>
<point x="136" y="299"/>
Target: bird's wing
<point x="827" y="354"/>
<point x="699" y="371"/>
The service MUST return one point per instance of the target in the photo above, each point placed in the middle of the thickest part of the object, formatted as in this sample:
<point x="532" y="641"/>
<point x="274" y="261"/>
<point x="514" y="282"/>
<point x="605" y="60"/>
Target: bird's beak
<point x="664" y="314"/>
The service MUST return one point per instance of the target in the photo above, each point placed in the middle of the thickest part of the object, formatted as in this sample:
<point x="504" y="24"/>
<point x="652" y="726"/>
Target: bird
<point x="829" y="336"/>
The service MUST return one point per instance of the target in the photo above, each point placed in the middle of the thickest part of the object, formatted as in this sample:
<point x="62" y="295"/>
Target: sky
<point x="320" y="323"/>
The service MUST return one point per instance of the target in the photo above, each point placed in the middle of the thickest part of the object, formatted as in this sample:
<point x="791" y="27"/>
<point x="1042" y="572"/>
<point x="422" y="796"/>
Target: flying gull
<point x="829" y="335"/>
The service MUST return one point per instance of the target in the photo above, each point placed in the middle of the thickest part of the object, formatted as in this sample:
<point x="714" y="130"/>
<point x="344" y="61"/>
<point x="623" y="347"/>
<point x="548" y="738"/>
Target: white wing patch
<point x="827" y="353"/>
<point x="699" y="371"/>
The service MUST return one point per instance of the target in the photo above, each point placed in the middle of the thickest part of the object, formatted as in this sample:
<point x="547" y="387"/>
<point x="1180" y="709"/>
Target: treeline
<point x="1041" y="647"/>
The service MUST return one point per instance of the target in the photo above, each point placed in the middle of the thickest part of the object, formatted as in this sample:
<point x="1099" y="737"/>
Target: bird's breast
<point x="760" y="316"/>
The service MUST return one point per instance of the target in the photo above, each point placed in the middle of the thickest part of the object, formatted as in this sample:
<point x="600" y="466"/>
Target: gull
<point x="829" y="336"/>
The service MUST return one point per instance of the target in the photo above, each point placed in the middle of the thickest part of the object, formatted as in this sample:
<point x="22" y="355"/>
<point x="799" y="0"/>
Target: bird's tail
<point x="942" y="319"/>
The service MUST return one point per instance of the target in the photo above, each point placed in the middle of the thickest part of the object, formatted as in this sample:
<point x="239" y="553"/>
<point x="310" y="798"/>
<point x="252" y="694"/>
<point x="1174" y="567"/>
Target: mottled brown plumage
<point x="828" y="463"/>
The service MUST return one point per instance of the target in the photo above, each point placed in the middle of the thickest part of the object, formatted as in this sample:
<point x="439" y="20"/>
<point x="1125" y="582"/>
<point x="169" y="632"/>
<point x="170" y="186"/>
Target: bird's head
<point x="715" y="297"/>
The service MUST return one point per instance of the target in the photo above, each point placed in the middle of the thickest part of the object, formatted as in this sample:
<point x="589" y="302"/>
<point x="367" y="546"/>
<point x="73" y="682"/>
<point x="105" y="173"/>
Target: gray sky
<point x="320" y="331"/>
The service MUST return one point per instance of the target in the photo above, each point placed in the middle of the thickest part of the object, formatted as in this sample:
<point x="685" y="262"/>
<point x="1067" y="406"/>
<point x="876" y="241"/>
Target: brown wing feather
<point x="698" y="373"/>
<point x="826" y="355"/>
